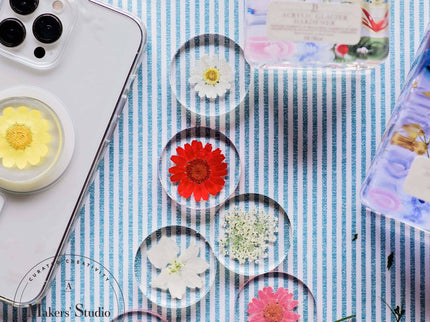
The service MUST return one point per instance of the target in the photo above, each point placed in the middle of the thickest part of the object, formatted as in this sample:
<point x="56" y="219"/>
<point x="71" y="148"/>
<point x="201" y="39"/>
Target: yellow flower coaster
<point x="24" y="137"/>
<point x="36" y="139"/>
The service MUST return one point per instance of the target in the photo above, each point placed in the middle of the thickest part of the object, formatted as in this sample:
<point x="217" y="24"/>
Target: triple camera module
<point x="47" y="28"/>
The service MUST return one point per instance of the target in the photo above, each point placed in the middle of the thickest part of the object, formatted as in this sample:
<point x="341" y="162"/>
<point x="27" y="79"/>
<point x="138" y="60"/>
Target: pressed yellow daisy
<point x="23" y="137"/>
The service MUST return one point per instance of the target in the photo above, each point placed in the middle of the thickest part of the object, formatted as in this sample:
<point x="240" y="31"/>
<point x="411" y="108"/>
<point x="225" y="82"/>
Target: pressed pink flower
<point x="273" y="307"/>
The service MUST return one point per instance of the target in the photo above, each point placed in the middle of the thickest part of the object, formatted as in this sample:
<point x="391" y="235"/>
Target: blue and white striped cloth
<point x="305" y="138"/>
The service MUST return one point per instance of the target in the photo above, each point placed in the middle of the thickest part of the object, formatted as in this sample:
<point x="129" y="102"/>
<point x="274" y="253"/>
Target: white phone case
<point x="91" y="79"/>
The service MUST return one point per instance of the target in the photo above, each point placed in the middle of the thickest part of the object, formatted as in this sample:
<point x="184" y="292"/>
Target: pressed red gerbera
<point x="273" y="307"/>
<point x="199" y="170"/>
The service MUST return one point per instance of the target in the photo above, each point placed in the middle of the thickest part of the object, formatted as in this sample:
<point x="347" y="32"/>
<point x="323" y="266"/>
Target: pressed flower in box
<point x="316" y="33"/>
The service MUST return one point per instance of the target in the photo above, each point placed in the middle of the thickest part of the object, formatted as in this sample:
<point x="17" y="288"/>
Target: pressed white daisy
<point x="177" y="273"/>
<point x="211" y="77"/>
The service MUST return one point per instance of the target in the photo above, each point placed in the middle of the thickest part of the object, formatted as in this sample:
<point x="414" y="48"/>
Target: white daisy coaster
<point x="209" y="75"/>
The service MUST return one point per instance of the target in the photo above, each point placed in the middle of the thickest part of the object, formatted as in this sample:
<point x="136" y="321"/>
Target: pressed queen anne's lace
<point x="177" y="273"/>
<point x="248" y="234"/>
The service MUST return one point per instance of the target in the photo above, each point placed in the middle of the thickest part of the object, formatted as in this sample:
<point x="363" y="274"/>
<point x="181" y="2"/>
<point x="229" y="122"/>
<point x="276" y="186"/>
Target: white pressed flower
<point x="248" y="234"/>
<point x="177" y="273"/>
<point x="211" y="77"/>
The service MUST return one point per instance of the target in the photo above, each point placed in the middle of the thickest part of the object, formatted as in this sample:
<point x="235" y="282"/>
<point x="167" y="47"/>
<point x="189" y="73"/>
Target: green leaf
<point x="390" y="260"/>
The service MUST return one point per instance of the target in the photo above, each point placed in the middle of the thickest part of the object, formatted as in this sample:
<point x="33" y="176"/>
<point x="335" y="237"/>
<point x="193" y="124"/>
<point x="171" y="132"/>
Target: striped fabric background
<point x="305" y="138"/>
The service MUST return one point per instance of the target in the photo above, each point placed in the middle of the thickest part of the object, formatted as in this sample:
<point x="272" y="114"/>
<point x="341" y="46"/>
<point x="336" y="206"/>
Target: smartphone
<point x="66" y="67"/>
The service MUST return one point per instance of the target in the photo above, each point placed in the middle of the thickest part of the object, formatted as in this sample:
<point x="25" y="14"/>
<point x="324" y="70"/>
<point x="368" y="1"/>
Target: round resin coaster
<point x="139" y="316"/>
<point x="251" y="234"/>
<point x="36" y="139"/>
<point x="209" y="75"/>
<point x="283" y="295"/>
<point x="175" y="267"/>
<point x="199" y="168"/>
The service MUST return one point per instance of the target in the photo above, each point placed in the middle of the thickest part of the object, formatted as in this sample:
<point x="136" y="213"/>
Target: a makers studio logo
<point x="81" y="288"/>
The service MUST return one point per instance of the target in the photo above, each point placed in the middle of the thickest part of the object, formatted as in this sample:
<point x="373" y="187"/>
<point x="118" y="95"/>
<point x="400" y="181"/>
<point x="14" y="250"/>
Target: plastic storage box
<point x="398" y="182"/>
<point x="338" y="33"/>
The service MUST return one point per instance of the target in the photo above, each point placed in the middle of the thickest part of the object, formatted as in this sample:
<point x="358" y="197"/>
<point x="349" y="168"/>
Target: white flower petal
<point x="224" y="84"/>
<point x="162" y="281"/>
<point x="192" y="280"/>
<point x="197" y="265"/>
<point x="211" y="92"/>
<point x="194" y="79"/>
<point x="213" y="61"/>
<point x="163" y="253"/>
<point x="177" y="286"/>
<point x="190" y="253"/>
<point x="222" y="61"/>
<point x="205" y="60"/>
<point x="220" y="91"/>
<point x="200" y="89"/>
<point x="227" y="75"/>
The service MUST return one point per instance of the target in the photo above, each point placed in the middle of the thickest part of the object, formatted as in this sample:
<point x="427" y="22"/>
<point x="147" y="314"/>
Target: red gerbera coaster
<point x="273" y="307"/>
<point x="199" y="170"/>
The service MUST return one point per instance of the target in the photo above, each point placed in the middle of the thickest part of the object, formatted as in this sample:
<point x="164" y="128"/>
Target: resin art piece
<point x="23" y="137"/>
<point x="398" y="182"/>
<point x="175" y="267"/>
<point x="209" y="75"/>
<point x="36" y="142"/>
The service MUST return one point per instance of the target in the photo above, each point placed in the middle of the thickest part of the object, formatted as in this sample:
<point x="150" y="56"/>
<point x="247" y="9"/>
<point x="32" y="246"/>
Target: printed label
<point x="314" y="22"/>
<point x="417" y="183"/>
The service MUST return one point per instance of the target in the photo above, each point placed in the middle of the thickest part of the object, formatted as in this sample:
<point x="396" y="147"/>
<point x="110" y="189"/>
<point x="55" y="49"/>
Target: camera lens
<point x="47" y="28"/>
<point x="24" y="7"/>
<point x="12" y="32"/>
